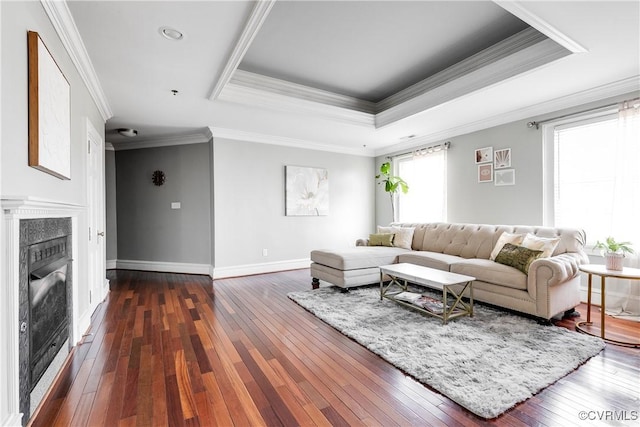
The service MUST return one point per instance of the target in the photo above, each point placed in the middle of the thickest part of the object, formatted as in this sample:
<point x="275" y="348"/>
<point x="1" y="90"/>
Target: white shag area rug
<point x="486" y="363"/>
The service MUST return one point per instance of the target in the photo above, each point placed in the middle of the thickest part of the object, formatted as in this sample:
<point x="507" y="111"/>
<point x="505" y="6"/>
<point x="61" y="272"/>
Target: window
<point x="426" y="200"/>
<point x="591" y="176"/>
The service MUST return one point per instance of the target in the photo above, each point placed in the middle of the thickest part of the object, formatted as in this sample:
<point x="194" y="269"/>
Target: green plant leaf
<point x="385" y="168"/>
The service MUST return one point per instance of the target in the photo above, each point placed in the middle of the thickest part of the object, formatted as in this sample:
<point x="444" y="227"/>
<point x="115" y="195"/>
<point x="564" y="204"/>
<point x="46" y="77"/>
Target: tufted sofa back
<point x="478" y="240"/>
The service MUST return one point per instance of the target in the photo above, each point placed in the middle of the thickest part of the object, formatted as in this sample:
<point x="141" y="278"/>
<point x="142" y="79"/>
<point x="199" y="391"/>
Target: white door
<point x="95" y="214"/>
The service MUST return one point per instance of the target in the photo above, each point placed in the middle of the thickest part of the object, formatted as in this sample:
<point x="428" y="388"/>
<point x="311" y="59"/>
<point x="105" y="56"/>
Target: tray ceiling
<point x="372" y="50"/>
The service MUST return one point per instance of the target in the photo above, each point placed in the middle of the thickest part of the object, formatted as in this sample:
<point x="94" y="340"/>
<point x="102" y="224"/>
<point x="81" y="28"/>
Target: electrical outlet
<point x="265" y="252"/>
<point x="175" y="205"/>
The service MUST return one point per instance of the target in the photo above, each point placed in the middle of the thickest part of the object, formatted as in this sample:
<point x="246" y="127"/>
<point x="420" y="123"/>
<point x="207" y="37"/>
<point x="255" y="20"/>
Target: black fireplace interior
<point x="45" y="300"/>
<point x="48" y="263"/>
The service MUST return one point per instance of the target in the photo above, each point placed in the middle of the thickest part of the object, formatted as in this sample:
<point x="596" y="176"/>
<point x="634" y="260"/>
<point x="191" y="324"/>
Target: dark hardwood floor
<point x="173" y="349"/>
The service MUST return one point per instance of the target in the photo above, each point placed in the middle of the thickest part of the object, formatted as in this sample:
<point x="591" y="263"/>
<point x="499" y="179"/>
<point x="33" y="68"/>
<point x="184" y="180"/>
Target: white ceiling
<point x="318" y="70"/>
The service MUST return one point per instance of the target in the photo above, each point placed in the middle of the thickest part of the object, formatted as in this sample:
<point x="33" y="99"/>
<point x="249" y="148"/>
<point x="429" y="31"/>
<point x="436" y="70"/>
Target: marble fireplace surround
<point x="15" y="209"/>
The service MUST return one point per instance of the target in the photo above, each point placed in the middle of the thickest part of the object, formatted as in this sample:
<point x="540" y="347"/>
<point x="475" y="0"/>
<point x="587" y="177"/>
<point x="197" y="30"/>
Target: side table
<point x="600" y="270"/>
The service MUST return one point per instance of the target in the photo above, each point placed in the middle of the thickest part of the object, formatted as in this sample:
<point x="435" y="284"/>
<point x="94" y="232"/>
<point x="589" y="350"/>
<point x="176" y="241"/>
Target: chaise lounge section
<point x="549" y="287"/>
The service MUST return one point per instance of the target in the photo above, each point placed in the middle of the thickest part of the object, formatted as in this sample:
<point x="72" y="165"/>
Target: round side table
<point x="600" y="270"/>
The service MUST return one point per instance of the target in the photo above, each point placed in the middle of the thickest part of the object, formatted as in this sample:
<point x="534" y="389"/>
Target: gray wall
<point x="249" y="213"/>
<point x="471" y="202"/>
<point x="148" y="229"/>
<point x="110" y="205"/>
<point x="485" y="203"/>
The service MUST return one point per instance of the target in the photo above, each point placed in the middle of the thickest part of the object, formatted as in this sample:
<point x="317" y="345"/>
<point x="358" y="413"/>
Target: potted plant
<point x="613" y="252"/>
<point x="391" y="184"/>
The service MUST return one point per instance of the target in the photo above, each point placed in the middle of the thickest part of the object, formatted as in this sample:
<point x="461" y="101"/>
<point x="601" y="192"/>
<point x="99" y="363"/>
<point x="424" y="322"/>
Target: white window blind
<point x="587" y="163"/>
<point x="426" y="200"/>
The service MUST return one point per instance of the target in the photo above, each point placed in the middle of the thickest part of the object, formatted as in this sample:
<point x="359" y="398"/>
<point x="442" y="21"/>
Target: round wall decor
<point x="158" y="177"/>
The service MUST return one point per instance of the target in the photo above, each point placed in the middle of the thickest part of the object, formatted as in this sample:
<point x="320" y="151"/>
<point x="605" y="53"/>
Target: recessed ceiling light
<point x="171" y="33"/>
<point x="128" y="132"/>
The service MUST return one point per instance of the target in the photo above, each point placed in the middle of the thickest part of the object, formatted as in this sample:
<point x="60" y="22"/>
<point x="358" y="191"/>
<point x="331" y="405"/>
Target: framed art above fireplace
<point x="49" y="112"/>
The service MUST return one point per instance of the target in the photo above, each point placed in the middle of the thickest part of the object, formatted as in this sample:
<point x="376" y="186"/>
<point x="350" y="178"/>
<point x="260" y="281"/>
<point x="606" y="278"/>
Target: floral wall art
<point x="307" y="191"/>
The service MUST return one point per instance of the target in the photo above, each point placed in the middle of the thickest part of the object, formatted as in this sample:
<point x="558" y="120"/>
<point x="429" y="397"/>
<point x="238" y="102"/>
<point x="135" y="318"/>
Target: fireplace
<point x="48" y="323"/>
<point x="45" y="300"/>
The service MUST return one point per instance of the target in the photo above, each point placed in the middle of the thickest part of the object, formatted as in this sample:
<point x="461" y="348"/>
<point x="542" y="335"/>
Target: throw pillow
<point x="403" y="235"/>
<point x="545" y="244"/>
<point x="382" y="239"/>
<point x="505" y="237"/>
<point x="517" y="257"/>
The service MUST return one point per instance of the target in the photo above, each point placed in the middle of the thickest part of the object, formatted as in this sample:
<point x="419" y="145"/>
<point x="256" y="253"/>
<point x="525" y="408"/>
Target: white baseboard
<point x="83" y="325"/>
<point x="215" y="272"/>
<point x="110" y="264"/>
<point x="165" y="267"/>
<point x="266" y="267"/>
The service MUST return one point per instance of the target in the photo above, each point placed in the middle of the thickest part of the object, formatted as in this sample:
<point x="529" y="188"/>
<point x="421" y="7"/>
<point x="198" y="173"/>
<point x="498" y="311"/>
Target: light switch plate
<point x="175" y="205"/>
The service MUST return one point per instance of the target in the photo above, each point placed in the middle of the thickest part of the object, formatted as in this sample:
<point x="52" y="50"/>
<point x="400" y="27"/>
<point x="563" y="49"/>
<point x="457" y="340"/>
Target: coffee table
<point x="449" y="283"/>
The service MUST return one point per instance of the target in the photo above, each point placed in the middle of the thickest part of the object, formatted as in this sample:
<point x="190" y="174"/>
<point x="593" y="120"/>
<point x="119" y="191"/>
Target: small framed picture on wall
<point x="484" y="155"/>
<point x="502" y="159"/>
<point x="485" y="172"/>
<point x="505" y="177"/>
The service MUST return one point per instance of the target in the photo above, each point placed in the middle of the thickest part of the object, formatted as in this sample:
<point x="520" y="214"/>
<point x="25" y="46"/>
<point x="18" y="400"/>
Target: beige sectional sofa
<point x="550" y="287"/>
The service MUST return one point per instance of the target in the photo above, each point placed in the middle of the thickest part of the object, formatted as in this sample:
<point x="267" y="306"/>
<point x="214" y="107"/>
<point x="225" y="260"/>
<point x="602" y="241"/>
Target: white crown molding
<point x="599" y="93"/>
<point x="283" y="87"/>
<point x="491" y="70"/>
<point x="501" y="50"/>
<point x="62" y="20"/>
<point x="258" y="97"/>
<point x="517" y="54"/>
<point x="238" y="135"/>
<point x="108" y="146"/>
<point x="519" y="10"/>
<point x="163" y="141"/>
<point x="256" y="19"/>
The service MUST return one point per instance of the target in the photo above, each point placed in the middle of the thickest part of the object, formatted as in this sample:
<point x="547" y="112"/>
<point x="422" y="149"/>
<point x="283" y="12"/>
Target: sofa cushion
<point x="505" y="238"/>
<point x="403" y="235"/>
<point x="357" y="257"/>
<point x="429" y="259"/>
<point x="491" y="272"/>
<point x="545" y="244"/>
<point x="517" y="257"/>
<point x="382" y="239"/>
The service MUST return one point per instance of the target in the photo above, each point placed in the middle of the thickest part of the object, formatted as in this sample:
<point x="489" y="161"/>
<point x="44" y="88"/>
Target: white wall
<point x="16" y="177"/>
<point x="249" y="206"/>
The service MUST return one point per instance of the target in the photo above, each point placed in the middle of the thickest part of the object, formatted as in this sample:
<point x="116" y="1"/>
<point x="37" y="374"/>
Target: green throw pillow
<point x="382" y="239"/>
<point x="517" y="256"/>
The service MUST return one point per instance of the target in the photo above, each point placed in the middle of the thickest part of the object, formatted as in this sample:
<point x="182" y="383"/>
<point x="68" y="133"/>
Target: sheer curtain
<point x="426" y="174"/>
<point x="623" y="296"/>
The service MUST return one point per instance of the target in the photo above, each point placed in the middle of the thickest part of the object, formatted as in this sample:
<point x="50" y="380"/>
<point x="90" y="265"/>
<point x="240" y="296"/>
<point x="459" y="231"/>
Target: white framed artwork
<point x="502" y="158"/>
<point x="484" y="155"/>
<point x="505" y="177"/>
<point x="485" y="172"/>
<point x="49" y="112"/>
<point x="306" y="191"/>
